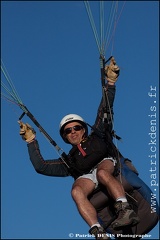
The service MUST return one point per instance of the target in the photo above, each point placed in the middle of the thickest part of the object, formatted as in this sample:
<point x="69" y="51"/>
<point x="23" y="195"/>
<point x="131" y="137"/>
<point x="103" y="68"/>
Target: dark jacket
<point x="94" y="145"/>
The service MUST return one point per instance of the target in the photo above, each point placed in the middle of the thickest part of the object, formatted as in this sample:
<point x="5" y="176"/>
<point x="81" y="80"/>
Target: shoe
<point x="99" y="233"/>
<point x="126" y="216"/>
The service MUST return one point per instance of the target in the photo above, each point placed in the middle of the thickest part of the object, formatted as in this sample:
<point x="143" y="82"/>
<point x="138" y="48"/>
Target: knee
<point x="103" y="175"/>
<point x="76" y="192"/>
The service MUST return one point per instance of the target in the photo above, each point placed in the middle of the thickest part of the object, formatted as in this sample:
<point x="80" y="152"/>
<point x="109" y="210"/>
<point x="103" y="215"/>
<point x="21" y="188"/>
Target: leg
<point x="104" y="176"/>
<point x="126" y="216"/>
<point x="80" y="191"/>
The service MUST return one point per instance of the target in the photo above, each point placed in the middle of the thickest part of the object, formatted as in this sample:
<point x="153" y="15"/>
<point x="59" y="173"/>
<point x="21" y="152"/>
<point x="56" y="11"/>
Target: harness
<point x="112" y="151"/>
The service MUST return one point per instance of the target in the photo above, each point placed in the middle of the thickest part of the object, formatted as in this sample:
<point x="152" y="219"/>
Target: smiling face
<point x="73" y="133"/>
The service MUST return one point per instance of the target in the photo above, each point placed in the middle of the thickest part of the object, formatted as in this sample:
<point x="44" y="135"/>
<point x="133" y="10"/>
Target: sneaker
<point x="99" y="233"/>
<point x="126" y="216"/>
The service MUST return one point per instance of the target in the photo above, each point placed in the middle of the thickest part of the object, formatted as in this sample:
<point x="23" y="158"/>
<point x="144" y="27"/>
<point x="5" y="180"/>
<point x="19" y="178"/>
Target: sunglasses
<point x="69" y="130"/>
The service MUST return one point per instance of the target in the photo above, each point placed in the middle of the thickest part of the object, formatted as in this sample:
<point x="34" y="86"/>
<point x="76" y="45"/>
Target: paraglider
<point x="138" y="194"/>
<point x="100" y="203"/>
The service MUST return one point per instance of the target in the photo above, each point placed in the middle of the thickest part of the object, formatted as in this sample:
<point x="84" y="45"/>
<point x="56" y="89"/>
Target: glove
<point x="27" y="132"/>
<point x="112" y="71"/>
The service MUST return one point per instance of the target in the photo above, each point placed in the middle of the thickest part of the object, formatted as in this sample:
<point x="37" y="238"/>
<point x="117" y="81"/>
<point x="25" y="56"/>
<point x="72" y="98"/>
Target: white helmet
<point x="71" y="118"/>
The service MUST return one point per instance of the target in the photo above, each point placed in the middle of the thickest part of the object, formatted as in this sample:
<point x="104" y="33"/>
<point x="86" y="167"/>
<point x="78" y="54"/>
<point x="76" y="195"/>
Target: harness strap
<point x="81" y="150"/>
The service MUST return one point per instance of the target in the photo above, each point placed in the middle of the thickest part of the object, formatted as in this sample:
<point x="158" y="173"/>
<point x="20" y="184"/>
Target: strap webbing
<point x="81" y="150"/>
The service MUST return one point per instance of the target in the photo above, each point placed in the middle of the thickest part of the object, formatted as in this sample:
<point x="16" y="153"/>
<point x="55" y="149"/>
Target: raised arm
<point x="105" y="123"/>
<point x="54" y="167"/>
<point x="100" y="123"/>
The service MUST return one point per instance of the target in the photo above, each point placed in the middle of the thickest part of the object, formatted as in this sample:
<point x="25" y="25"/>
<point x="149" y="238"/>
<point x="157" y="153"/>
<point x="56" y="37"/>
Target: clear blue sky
<point x="51" y="55"/>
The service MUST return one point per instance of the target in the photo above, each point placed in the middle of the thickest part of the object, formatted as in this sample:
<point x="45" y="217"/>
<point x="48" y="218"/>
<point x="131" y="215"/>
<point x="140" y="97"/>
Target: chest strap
<point x="81" y="150"/>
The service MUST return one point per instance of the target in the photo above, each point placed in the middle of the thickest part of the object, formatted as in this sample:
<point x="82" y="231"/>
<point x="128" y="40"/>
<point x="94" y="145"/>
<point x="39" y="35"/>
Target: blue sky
<point x="51" y="55"/>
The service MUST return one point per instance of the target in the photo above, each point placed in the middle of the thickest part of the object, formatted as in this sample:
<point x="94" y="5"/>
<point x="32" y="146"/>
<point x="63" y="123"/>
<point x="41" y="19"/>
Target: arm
<point x="46" y="167"/>
<point x="110" y="91"/>
<point x="106" y="105"/>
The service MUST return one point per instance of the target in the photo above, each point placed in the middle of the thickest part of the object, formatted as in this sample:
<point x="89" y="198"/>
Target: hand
<point x="112" y="71"/>
<point x="27" y="132"/>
